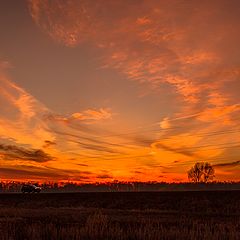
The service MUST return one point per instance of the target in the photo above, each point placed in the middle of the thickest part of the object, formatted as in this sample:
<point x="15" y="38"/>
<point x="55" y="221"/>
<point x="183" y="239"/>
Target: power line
<point x="153" y="130"/>
<point x="205" y="146"/>
<point x="216" y="133"/>
<point x="133" y="130"/>
<point x="149" y="155"/>
<point x="225" y="145"/>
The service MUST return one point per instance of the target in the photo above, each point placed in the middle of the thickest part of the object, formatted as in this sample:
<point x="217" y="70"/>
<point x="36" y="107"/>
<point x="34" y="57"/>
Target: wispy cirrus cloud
<point x="86" y="116"/>
<point x="162" y="46"/>
<point x="21" y="114"/>
<point x="27" y="127"/>
<point x="159" y="45"/>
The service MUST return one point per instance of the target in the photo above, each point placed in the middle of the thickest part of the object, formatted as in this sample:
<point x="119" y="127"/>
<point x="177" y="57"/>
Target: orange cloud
<point x="92" y="114"/>
<point x="159" y="45"/>
<point x="165" y="124"/>
<point x="223" y="112"/>
<point x="21" y="114"/>
<point x="25" y="130"/>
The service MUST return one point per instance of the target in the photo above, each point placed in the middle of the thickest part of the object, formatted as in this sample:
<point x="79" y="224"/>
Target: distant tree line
<point x="117" y="186"/>
<point x="201" y="177"/>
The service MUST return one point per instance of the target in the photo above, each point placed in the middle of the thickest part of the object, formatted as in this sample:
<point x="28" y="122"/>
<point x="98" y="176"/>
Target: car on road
<point x="30" y="188"/>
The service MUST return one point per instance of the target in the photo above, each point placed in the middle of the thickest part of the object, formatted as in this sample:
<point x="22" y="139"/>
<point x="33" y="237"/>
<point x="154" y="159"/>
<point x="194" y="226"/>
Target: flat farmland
<point x="121" y="215"/>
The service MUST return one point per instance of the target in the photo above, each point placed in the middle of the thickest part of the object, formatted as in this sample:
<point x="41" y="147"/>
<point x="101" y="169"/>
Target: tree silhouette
<point x="201" y="172"/>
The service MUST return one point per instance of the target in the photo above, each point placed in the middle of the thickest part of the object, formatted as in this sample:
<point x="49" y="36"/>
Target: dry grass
<point x="205" y="220"/>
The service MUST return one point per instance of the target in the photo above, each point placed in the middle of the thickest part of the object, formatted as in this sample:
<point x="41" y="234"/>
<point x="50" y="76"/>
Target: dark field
<point x="119" y="215"/>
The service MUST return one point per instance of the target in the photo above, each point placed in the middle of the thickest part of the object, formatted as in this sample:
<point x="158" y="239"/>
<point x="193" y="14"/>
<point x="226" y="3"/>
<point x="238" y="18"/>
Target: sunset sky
<point x="132" y="90"/>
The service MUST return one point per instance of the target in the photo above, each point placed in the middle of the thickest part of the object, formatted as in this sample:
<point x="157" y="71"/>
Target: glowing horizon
<point x="135" y="90"/>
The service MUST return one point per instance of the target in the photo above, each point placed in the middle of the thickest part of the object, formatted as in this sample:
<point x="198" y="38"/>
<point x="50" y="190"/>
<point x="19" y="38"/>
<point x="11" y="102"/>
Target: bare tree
<point x="201" y="172"/>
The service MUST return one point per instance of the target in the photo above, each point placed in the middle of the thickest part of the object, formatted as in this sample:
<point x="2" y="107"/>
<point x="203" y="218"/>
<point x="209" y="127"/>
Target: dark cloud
<point x="86" y="144"/>
<point x="96" y="139"/>
<point x="147" y="142"/>
<point x="176" y="150"/>
<point x="162" y="176"/>
<point x="60" y="120"/>
<point x="82" y="165"/>
<point x="231" y="164"/>
<point x="97" y="148"/>
<point x="178" y="179"/>
<point x="24" y="171"/>
<point x="142" y="141"/>
<point x="48" y="143"/>
<point x="69" y="171"/>
<point x="12" y="152"/>
<point x="104" y="176"/>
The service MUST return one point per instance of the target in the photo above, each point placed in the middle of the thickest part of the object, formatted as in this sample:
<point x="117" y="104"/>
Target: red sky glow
<point x="134" y="90"/>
